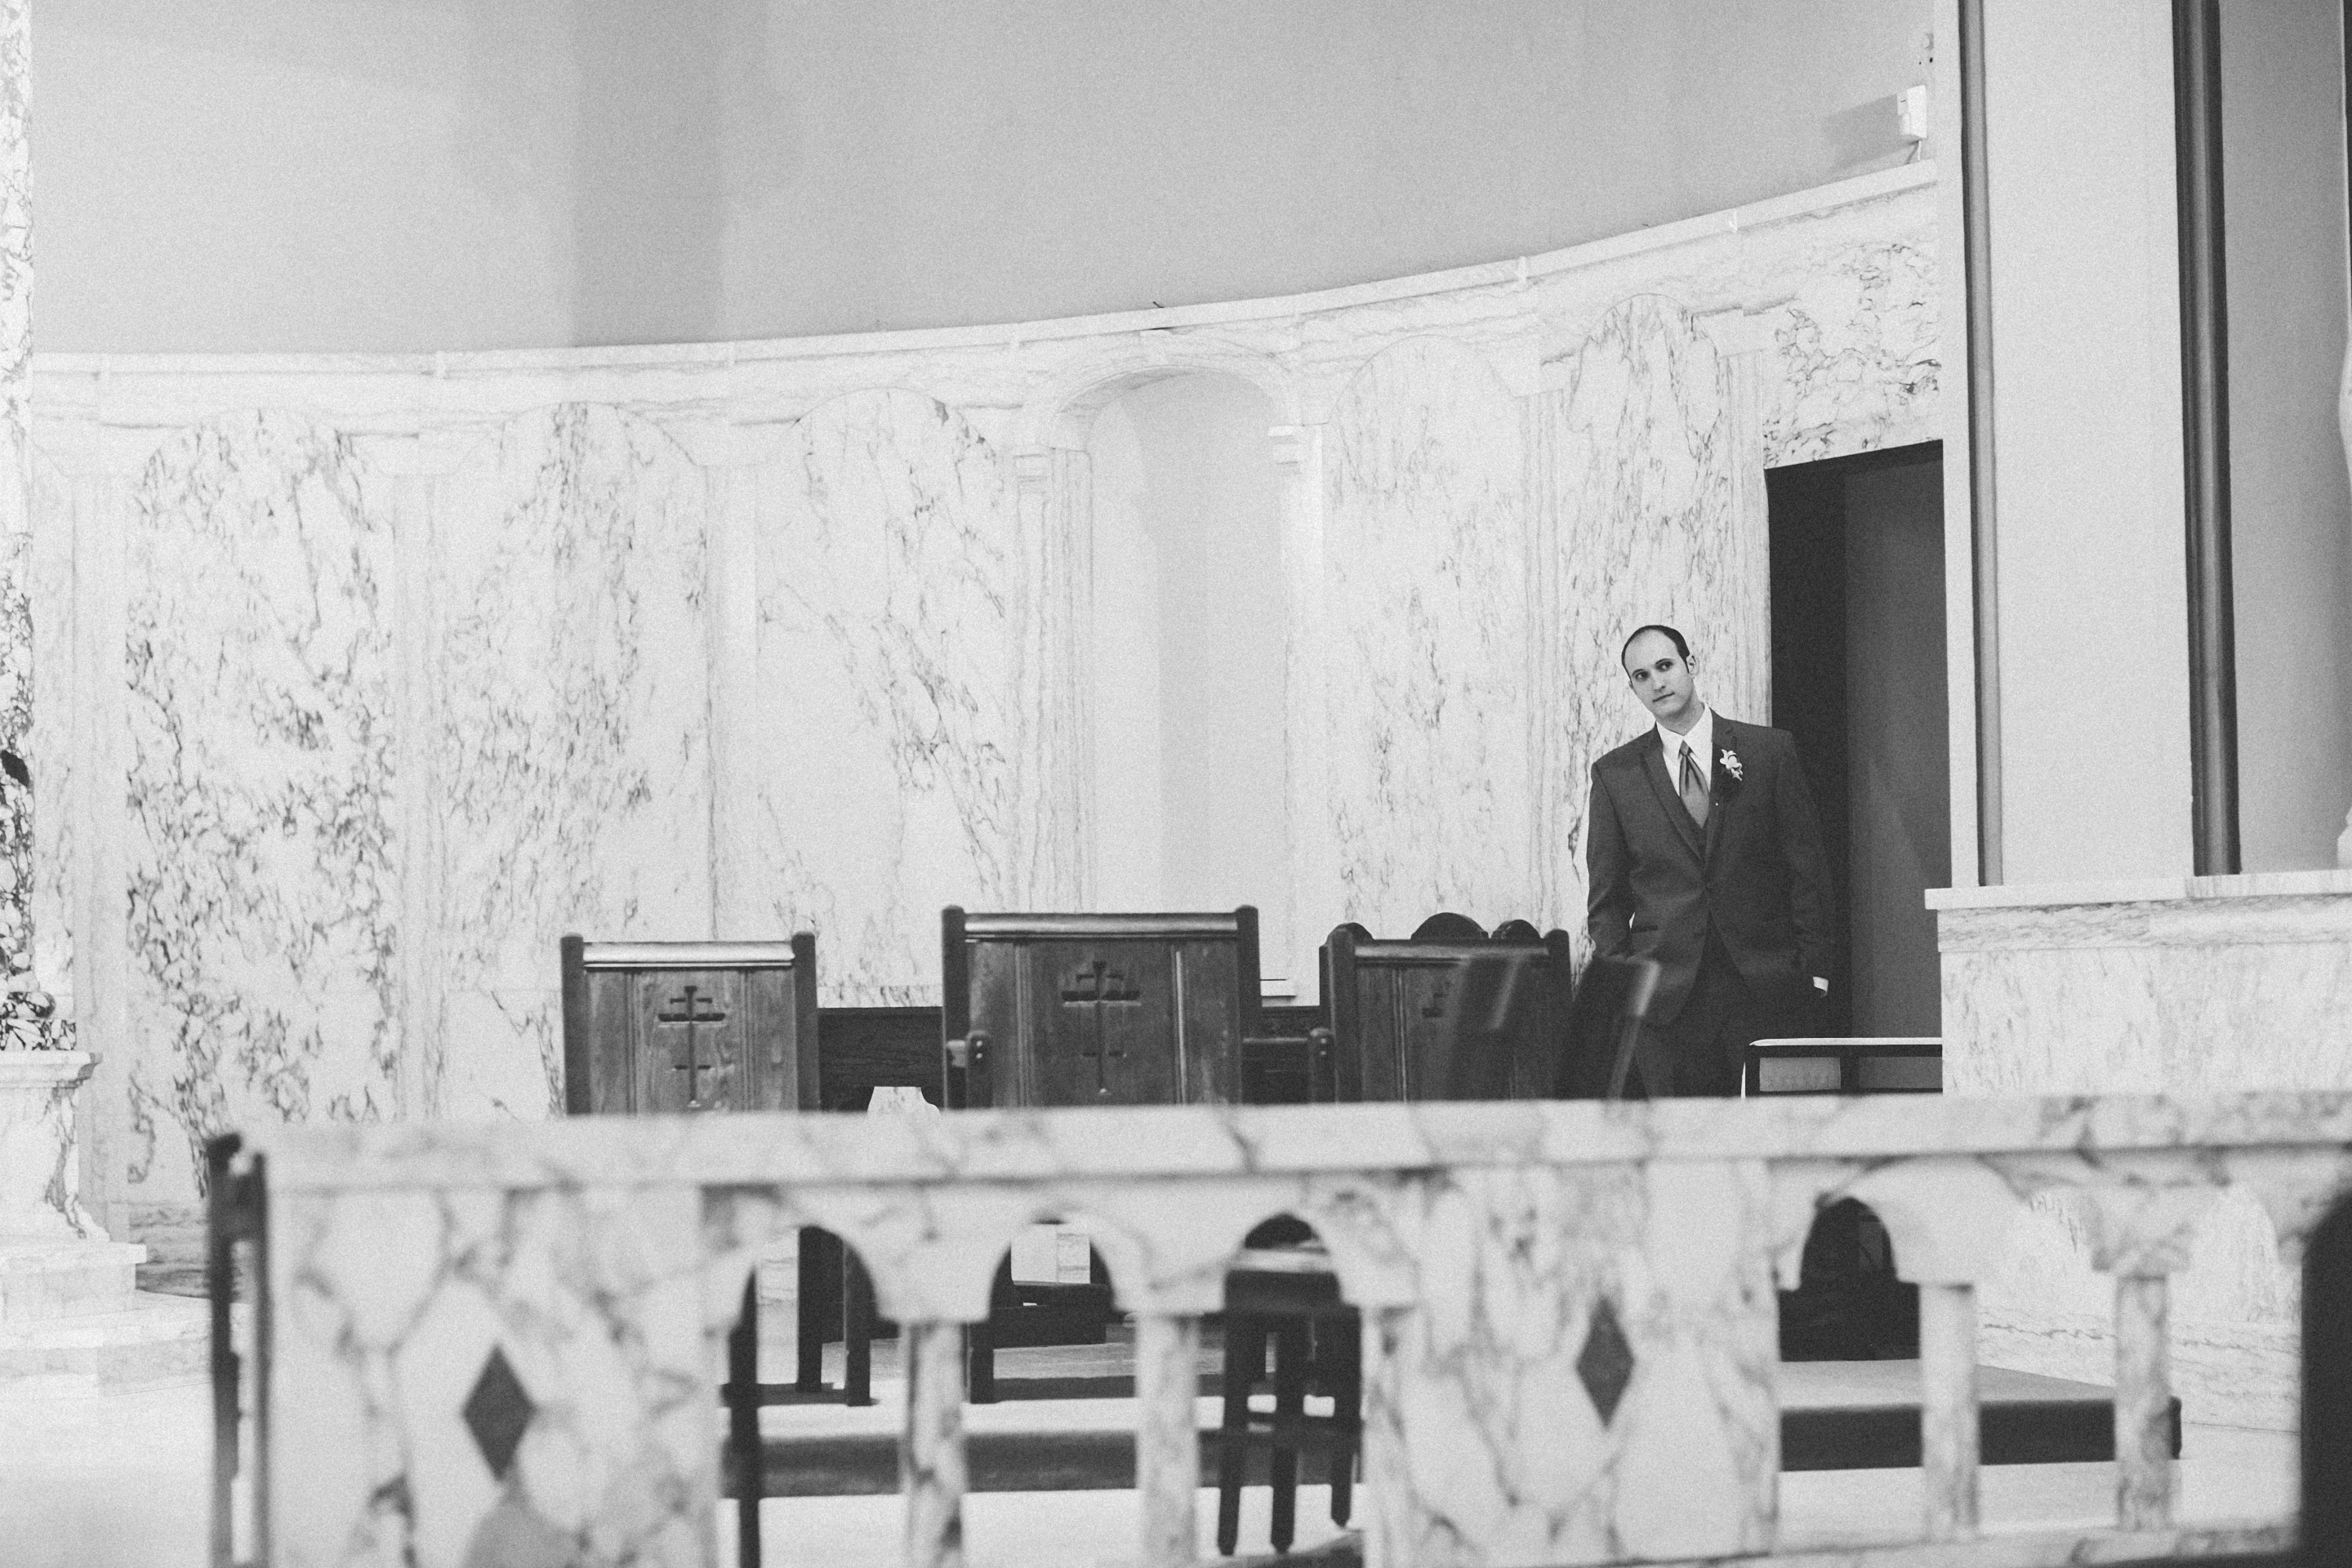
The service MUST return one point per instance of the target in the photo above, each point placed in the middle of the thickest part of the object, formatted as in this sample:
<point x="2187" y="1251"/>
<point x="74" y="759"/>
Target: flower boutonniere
<point x="1730" y="772"/>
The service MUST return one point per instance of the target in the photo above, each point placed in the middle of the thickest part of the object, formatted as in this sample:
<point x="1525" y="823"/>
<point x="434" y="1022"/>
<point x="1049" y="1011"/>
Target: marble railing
<point x="484" y="1339"/>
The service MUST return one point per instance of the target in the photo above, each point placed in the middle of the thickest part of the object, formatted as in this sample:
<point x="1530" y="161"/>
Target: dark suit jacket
<point x="1756" y="872"/>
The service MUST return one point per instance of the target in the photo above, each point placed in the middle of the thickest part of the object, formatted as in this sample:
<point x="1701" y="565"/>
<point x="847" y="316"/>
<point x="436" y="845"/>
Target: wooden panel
<point x="647" y="1031"/>
<point x="611" y="1054"/>
<point x="689" y="1026"/>
<point x="1101" y="1017"/>
<point x="1097" y="1010"/>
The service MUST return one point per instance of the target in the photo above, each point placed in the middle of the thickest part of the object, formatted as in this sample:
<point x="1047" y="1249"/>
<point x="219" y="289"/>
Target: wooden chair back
<point x="1096" y="1009"/>
<point x="653" y="1026"/>
<point x="1401" y="1030"/>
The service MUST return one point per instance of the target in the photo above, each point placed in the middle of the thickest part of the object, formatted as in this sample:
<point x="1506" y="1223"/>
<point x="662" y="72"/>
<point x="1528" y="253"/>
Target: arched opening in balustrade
<point x="1848" y="1304"/>
<point x="1290" y="1387"/>
<point x="812" y="1386"/>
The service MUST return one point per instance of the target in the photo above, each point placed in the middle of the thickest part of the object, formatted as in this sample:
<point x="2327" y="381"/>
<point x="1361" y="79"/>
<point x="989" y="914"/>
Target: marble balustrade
<point x="1569" y="1309"/>
<point x="2200" y="984"/>
<point x="362" y="678"/>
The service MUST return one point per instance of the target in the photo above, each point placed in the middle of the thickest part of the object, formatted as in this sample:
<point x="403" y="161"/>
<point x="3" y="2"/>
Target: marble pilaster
<point x="17" y="860"/>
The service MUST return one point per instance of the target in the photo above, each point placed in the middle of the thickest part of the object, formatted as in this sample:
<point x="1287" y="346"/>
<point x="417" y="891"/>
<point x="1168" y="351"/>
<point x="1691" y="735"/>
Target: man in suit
<point x="1704" y="853"/>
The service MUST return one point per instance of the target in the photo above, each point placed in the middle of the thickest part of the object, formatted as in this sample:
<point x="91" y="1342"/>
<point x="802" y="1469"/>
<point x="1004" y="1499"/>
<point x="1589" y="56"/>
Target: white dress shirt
<point x="1702" y="746"/>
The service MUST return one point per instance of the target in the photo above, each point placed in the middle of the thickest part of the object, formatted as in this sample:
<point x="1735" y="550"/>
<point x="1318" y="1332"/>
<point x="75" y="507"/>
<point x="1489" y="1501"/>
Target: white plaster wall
<point x="2086" y="352"/>
<point x="446" y="175"/>
<point x="1131" y="858"/>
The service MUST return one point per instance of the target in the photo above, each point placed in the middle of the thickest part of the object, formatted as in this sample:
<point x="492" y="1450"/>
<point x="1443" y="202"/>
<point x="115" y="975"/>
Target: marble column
<point x="1949" y="1442"/>
<point x="1315" y="906"/>
<point x="1167" y="1443"/>
<point x="931" y="1467"/>
<point x="2142" y="1401"/>
<point x="1054" y="857"/>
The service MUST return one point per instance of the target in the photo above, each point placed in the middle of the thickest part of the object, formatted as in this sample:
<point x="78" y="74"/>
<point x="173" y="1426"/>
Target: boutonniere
<point x="1733" y="774"/>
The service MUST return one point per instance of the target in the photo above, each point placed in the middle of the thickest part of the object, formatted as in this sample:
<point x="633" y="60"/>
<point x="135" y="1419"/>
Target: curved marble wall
<point x="365" y="679"/>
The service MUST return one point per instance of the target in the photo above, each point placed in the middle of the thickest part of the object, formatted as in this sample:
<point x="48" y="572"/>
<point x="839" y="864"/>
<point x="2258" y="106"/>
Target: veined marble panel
<point x="571" y="784"/>
<point x="1854" y="356"/>
<point x="568" y="1319"/>
<point x="1430" y="663"/>
<point x="261" y="860"/>
<point x="1587" y="1375"/>
<point x="1635" y="459"/>
<point x="896" y="710"/>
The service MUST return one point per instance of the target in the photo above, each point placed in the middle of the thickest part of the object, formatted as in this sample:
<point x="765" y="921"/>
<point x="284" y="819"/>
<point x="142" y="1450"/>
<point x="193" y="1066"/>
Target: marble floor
<point x="121" y="1481"/>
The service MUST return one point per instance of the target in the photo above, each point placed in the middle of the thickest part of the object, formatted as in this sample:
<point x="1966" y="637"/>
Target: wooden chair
<point x="1604" y="1026"/>
<point x="1393" y="1009"/>
<point x="1088" y="1009"/>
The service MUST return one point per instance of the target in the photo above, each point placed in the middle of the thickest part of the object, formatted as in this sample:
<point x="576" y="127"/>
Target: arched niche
<point x="1184" y="655"/>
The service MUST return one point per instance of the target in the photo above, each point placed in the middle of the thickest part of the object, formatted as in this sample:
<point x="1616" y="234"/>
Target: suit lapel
<point x="1653" y="768"/>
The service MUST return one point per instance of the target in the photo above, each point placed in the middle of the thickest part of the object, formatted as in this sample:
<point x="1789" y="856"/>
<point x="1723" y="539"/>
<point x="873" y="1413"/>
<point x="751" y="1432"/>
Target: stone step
<point x="43" y="1280"/>
<point x="153" y="1341"/>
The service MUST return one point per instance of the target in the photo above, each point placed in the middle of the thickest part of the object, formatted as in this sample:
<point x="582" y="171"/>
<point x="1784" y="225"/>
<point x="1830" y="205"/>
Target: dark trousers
<point x="1700" y="1050"/>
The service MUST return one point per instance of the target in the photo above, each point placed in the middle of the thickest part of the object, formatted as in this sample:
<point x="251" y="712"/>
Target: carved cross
<point x="691" y="1009"/>
<point x="1095" y="986"/>
<point x="1440" y="993"/>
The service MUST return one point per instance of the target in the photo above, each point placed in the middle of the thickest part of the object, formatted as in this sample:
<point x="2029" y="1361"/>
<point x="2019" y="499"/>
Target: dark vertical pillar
<point x="1977" y="231"/>
<point x="2205" y="434"/>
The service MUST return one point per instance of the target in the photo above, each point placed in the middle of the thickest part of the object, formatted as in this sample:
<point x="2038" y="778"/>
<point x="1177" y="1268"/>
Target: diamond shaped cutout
<point x="497" y="1412"/>
<point x="1605" y="1364"/>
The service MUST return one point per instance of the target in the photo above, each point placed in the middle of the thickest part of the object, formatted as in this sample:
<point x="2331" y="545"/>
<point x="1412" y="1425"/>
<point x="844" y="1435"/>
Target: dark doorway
<point x="1858" y="678"/>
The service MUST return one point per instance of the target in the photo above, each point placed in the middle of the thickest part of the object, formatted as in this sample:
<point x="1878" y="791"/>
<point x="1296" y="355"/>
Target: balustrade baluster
<point x="1167" y="1439"/>
<point x="1948" y="1445"/>
<point x="2143" y="1402"/>
<point x="932" y="1469"/>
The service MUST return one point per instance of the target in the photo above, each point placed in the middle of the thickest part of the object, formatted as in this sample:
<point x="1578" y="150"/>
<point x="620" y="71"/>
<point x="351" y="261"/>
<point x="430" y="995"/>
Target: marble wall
<point x="365" y="679"/>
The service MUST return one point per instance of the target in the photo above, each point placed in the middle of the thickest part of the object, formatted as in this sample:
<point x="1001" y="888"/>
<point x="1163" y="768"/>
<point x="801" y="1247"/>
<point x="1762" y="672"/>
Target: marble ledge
<point x="2144" y="891"/>
<point x="2281" y="910"/>
<point x="1177" y="1142"/>
<point x="1749" y="220"/>
<point x="2044" y="1549"/>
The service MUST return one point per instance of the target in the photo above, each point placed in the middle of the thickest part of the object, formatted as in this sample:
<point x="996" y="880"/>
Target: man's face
<point x="1662" y="679"/>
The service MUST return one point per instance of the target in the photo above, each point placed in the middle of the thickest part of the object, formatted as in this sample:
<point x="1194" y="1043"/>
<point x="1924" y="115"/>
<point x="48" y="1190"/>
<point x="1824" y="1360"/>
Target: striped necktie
<point x="1694" y="787"/>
